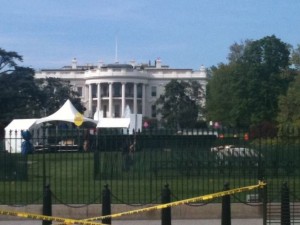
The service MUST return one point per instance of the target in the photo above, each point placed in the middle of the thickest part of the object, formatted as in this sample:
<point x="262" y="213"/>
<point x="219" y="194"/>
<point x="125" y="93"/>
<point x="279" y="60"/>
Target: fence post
<point x="96" y="164"/>
<point x="47" y="204"/>
<point x="265" y="202"/>
<point x="285" y="205"/>
<point x="106" y="204"/>
<point x="226" y="210"/>
<point x="166" y="212"/>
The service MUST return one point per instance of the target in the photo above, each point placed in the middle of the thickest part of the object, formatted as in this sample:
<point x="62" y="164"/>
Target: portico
<point x="112" y="97"/>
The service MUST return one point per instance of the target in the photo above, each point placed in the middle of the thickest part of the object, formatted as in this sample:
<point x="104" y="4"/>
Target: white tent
<point x="66" y="113"/>
<point x="133" y="123"/>
<point x="127" y="112"/>
<point x="98" y="114"/>
<point x="113" y="123"/>
<point x="13" y="138"/>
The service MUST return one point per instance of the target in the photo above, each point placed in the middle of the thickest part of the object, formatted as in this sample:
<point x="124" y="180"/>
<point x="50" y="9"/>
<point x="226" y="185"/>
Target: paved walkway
<point x="151" y="222"/>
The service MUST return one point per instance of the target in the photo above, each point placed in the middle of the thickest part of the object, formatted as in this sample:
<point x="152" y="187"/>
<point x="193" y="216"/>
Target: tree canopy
<point x="295" y="59"/>
<point x="55" y="92"/>
<point x="23" y="96"/>
<point x="20" y="97"/>
<point x="8" y="61"/>
<point x="219" y="106"/>
<point x="245" y="91"/>
<point x="181" y="104"/>
<point x="289" y="105"/>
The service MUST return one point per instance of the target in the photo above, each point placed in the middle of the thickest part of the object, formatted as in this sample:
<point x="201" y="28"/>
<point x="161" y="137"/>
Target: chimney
<point x="158" y="63"/>
<point x="132" y="62"/>
<point x="202" y="68"/>
<point x="74" y="63"/>
<point x="100" y="64"/>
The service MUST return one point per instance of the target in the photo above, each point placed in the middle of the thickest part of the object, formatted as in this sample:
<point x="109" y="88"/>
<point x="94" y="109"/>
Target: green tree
<point x="237" y="51"/>
<point x="289" y="105"/>
<point x="23" y="96"/>
<point x="8" y="61"/>
<point x="295" y="59"/>
<point x="269" y="54"/>
<point x="181" y="104"/>
<point x="263" y="63"/>
<point x="220" y="95"/>
<point x="20" y="97"/>
<point x="55" y="92"/>
<point x="257" y="79"/>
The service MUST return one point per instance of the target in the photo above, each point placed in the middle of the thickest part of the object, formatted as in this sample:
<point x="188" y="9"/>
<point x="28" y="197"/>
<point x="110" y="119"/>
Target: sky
<point x="182" y="33"/>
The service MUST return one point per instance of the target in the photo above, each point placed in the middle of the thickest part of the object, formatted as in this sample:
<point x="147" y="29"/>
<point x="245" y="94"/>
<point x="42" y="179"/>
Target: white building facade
<point x="109" y="89"/>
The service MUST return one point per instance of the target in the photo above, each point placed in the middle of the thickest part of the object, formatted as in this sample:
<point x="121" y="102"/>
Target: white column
<point x="123" y="99"/>
<point x="110" y="99"/>
<point x="134" y="98"/>
<point x="86" y="95"/>
<point x="98" y="97"/>
<point x="144" y="99"/>
<point x="90" y="99"/>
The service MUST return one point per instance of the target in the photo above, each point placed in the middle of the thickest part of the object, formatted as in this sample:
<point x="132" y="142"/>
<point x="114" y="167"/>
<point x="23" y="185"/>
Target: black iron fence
<point x="77" y="163"/>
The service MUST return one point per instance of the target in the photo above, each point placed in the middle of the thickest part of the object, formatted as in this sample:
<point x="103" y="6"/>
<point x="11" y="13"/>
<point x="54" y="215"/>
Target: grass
<point x="73" y="179"/>
<point x="189" y="168"/>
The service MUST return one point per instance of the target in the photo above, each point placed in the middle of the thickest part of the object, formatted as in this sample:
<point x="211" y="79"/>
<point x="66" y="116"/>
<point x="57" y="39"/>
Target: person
<point x="132" y="150"/>
<point x="26" y="147"/>
<point x="86" y="141"/>
<point x="128" y="150"/>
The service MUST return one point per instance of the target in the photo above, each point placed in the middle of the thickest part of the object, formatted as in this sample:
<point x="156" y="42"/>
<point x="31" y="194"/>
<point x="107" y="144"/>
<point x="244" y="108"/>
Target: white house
<point x="110" y="88"/>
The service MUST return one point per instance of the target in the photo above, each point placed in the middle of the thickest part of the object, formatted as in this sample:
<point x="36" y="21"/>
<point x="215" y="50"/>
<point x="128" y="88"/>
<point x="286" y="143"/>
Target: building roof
<point x="118" y="66"/>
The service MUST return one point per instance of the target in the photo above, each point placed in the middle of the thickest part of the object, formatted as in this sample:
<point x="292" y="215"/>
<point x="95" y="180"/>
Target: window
<point x="104" y="90"/>
<point x="139" y="108"/>
<point x="104" y="111"/>
<point x="94" y="91"/>
<point x="94" y="108"/>
<point x="117" y="89"/>
<point x="129" y="90"/>
<point x="117" y="111"/>
<point x="153" y="91"/>
<point x="153" y="111"/>
<point x="79" y="90"/>
<point x="140" y="90"/>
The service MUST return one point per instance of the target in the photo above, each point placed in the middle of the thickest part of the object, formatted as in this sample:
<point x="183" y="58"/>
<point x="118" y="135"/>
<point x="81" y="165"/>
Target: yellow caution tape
<point x="43" y="217"/>
<point x="182" y="202"/>
<point x="158" y="207"/>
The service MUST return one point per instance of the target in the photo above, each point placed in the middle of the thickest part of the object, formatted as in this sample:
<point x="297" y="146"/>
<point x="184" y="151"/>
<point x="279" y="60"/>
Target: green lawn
<point x="185" y="164"/>
<point x="80" y="177"/>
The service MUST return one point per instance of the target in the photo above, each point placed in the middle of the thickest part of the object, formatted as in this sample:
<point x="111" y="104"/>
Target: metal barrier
<point x="191" y="162"/>
<point x="165" y="207"/>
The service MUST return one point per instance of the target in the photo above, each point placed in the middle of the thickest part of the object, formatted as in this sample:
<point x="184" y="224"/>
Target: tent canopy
<point x="114" y="123"/>
<point x="66" y="113"/>
<point x="133" y="123"/>
<point x="13" y="136"/>
<point x="20" y="124"/>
